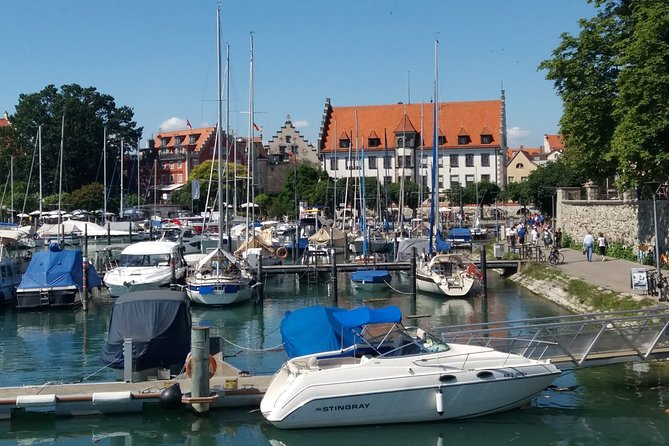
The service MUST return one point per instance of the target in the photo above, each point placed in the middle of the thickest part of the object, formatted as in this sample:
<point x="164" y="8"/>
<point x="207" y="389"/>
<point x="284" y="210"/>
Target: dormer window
<point x="441" y="139"/>
<point x="399" y="142"/>
<point x="164" y="141"/>
<point x="463" y="139"/>
<point x="486" y="139"/>
<point x="192" y="139"/>
<point x="179" y="140"/>
<point x="344" y="143"/>
<point x="374" y="142"/>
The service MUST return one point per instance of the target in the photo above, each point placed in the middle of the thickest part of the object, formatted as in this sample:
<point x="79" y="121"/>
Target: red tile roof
<point x="4" y="122"/>
<point x="530" y="152"/>
<point x="201" y="137"/>
<point x="475" y="116"/>
<point x="554" y="142"/>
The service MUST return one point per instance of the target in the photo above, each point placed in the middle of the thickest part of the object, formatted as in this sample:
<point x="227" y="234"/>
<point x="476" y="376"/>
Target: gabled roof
<point x="530" y="152"/>
<point x="405" y="125"/>
<point x="202" y="135"/>
<point x="384" y="118"/>
<point x="554" y="142"/>
<point x="373" y="135"/>
<point x="485" y="131"/>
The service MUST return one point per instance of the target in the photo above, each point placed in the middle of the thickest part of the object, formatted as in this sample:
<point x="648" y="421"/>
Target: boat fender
<point x="439" y="400"/>
<point x="282" y="252"/>
<point x="170" y="398"/>
<point x="212" y="366"/>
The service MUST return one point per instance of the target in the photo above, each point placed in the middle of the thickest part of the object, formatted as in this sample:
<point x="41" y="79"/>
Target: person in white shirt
<point x="588" y="242"/>
<point x="601" y="242"/>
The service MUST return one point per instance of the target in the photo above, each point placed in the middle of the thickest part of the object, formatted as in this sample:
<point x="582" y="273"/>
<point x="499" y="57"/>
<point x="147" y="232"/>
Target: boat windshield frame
<point x="144" y="260"/>
<point x="396" y="340"/>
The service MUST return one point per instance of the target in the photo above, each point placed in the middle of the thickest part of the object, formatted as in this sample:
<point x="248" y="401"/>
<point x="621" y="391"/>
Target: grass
<point x="584" y="293"/>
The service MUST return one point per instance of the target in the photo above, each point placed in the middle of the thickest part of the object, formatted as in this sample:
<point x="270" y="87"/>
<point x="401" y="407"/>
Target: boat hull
<point x="48" y="298"/>
<point x="124" y="280"/>
<point x="402" y="397"/>
<point x="219" y="293"/>
<point x="442" y="285"/>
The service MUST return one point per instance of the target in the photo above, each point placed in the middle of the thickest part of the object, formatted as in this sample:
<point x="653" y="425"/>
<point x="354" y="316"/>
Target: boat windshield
<point x="397" y="340"/>
<point x="144" y="260"/>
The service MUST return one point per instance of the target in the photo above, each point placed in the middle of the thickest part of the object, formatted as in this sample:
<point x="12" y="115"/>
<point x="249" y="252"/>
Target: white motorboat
<point x="146" y="266"/>
<point x="451" y="275"/>
<point x="220" y="279"/>
<point x="187" y="236"/>
<point x="395" y="375"/>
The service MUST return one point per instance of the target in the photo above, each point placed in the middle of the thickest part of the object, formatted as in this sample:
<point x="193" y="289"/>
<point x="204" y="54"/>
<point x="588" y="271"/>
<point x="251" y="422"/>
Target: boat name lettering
<point x="343" y="407"/>
<point x="514" y="374"/>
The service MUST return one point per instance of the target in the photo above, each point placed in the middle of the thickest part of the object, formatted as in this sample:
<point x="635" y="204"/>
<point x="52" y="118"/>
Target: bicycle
<point x="662" y="288"/>
<point x="555" y="257"/>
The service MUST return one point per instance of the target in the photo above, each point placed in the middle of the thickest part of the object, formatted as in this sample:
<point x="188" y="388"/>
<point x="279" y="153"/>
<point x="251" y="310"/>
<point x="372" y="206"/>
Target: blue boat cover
<point x="371" y="276"/>
<point x="442" y="245"/>
<point x="459" y="234"/>
<point x="56" y="268"/>
<point x="322" y="329"/>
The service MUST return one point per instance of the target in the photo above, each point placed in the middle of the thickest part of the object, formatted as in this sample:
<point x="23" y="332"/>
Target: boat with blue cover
<point x="55" y="278"/>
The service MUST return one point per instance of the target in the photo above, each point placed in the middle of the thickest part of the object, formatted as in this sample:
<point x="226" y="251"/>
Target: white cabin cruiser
<point x="345" y="371"/>
<point x="451" y="275"/>
<point x="146" y="266"/>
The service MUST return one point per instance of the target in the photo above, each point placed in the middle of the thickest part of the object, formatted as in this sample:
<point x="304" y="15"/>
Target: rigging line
<point x="25" y="196"/>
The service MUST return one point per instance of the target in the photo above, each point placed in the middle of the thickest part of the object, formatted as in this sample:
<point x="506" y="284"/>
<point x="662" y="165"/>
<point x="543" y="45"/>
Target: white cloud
<point x="173" y="124"/>
<point x="517" y="136"/>
<point x="300" y="124"/>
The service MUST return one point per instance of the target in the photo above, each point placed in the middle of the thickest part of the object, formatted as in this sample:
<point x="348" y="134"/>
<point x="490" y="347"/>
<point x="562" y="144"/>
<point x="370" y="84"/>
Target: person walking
<point x="548" y="239"/>
<point x="558" y="238"/>
<point x="588" y="242"/>
<point x="601" y="242"/>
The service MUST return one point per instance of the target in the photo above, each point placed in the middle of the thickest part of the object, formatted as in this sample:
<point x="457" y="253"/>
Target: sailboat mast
<point x="104" y="174"/>
<point x="121" y="209"/>
<point x="39" y="138"/>
<point x="219" y="113"/>
<point x="139" y="201"/>
<point x="249" y="144"/>
<point x="227" y="134"/>
<point x="11" y="190"/>
<point x="60" y="177"/>
<point x="435" y="143"/>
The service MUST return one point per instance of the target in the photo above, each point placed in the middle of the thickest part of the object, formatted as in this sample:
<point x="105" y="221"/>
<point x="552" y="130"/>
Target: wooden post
<point x="484" y="271"/>
<point x="333" y="273"/>
<point x="261" y="289"/>
<point x="413" y="273"/>
<point x="108" y="232"/>
<point x="199" y="356"/>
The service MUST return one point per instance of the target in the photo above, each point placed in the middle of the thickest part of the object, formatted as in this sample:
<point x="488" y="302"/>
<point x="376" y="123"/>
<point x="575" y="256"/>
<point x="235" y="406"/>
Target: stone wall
<point x="627" y="222"/>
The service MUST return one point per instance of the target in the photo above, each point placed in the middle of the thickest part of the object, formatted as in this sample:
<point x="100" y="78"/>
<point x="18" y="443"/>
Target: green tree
<point x="86" y="113"/>
<point x="614" y="82"/>
<point x="88" y="197"/>
<point x="542" y="184"/>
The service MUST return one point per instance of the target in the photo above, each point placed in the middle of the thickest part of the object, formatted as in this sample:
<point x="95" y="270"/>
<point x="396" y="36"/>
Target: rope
<point x="97" y="371"/>
<point x="396" y="290"/>
<point x="275" y="348"/>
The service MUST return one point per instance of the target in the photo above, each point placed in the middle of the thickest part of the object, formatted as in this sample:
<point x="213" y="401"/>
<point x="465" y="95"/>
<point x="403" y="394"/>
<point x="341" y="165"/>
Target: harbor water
<point x="620" y="404"/>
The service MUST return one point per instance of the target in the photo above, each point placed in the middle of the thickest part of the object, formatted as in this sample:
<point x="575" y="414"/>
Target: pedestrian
<point x="601" y="242"/>
<point x="547" y="237"/>
<point x="521" y="234"/>
<point x="588" y="242"/>
<point x="535" y="236"/>
<point x="558" y="238"/>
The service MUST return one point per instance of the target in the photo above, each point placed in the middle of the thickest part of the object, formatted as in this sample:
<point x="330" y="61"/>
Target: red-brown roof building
<point x="398" y="141"/>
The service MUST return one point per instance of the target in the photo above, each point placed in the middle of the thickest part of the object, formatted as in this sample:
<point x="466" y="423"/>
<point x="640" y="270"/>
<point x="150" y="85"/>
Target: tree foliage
<point x="542" y="184"/>
<point x="614" y="82"/>
<point x="85" y="113"/>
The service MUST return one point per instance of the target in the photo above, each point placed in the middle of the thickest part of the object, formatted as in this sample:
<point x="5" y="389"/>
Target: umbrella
<point x="245" y="205"/>
<point x="22" y="215"/>
<point x="35" y="213"/>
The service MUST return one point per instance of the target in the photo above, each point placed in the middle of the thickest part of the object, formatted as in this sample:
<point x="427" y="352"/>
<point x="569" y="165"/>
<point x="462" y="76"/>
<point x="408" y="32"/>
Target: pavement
<point x="613" y="274"/>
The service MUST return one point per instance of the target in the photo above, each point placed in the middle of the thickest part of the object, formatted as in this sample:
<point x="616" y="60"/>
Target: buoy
<point x="170" y="398"/>
<point x="439" y="400"/>
<point x="282" y="252"/>
<point x="212" y="366"/>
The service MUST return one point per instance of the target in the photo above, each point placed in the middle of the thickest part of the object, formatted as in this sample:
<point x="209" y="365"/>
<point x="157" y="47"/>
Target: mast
<point x="121" y="209"/>
<point x="249" y="144"/>
<point x="104" y="173"/>
<point x="11" y="190"/>
<point x="435" y="143"/>
<point x="219" y="169"/>
<point x="39" y="139"/>
<point x="60" y="177"/>
<point x="227" y="137"/>
<point x="139" y="201"/>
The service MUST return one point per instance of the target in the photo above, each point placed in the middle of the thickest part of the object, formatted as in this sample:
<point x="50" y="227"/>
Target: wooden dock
<point x="230" y="386"/>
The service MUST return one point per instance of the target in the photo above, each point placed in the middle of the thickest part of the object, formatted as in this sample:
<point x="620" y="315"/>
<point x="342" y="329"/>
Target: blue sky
<point x="159" y="57"/>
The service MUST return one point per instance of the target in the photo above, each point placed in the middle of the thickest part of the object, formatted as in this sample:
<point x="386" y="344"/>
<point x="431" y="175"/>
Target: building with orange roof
<point x="553" y="143"/>
<point x="398" y="142"/>
<point x="521" y="164"/>
<point x="4" y="121"/>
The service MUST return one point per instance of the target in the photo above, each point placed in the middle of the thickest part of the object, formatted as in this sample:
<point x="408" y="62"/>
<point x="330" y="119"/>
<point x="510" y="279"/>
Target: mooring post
<point x="127" y="360"/>
<point x="108" y="232"/>
<point x="130" y="229"/>
<point x="261" y="288"/>
<point x="199" y="356"/>
<point x="484" y="271"/>
<point x="333" y="274"/>
<point x="413" y="273"/>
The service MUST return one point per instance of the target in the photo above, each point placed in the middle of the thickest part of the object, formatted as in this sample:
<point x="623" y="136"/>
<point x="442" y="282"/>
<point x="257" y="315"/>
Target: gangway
<point x="574" y="341"/>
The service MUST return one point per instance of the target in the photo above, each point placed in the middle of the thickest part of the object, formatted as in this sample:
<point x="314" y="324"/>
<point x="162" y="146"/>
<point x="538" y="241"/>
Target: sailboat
<point x="447" y="274"/>
<point x="367" y="278"/>
<point x="220" y="278"/>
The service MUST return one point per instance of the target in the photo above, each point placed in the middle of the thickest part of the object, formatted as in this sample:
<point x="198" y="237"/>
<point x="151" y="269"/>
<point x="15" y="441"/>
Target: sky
<point x="159" y="57"/>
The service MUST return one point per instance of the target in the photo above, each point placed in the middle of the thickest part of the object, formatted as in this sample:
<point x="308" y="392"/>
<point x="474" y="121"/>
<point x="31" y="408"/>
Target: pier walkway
<point x="575" y="341"/>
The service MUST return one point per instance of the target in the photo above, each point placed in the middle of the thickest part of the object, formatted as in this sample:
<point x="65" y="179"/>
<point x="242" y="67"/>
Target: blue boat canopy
<point x="320" y="329"/>
<point x="371" y="276"/>
<point x="56" y="268"/>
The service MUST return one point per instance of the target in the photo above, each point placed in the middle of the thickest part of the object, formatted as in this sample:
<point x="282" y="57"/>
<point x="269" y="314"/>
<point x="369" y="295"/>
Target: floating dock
<point x="230" y="387"/>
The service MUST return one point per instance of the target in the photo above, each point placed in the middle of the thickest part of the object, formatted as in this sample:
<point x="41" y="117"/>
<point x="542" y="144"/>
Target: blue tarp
<point x="441" y="244"/>
<point x="371" y="276"/>
<point x="58" y="269"/>
<point x="459" y="234"/>
<point x="321" y="329"/>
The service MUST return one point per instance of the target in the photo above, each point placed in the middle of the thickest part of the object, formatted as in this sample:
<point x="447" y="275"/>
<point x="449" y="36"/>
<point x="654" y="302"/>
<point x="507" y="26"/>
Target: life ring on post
<point x="474" y="272"/>
<point x="189" y="366"/>
<point x="282" y="252"/>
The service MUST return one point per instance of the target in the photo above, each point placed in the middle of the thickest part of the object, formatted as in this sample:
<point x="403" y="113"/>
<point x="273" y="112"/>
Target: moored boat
<point x="345" y="370"/>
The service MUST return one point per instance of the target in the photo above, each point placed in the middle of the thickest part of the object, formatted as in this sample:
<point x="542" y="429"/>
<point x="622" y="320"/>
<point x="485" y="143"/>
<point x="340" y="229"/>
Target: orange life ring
<point x="212" y="366"/>
<point x="282" y="252"/>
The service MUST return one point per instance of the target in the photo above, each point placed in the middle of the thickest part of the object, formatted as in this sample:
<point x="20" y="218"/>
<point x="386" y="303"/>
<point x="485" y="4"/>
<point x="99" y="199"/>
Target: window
<point x="163" y="142"/>
<point x="351" y="163"/>
<point x="469" y="179"/>
<point x="485" y="159"/>
<point x="387" y="163"/>
<point x="180" y="178"/>
<point x="440" y="160"/>
<point x="387" y="180"/>
<point x="510" y="179"/>
<point x="372" y="162"/>
<point x="463" y="139"/>
<point x="441" y="184"/>
<point x="424" y="162"/>
<point x="179" y="165"/>
<point x="195" y="163"/>
<point x="441" y="140"/>
<point x="163" y="179"/>
<point x="400" y="160"/>
<point x="172" y="165"/>
<point x="344" y="143"/>
<point x="192" y="139"/>
<point x="407" y="161"/>
<point x="282" y="149"/>
<point x="179" y="140"/>
<point x="455" y="179"/>
<point x="485" y="177"/>
<point x="520" y="166"/>
<point x="454" y="160"/>
<point x="486" y="139"/>
<point x="288" y="138"/>
<point x="333" y="163"/>
<point x="172" y="179"/>
<point x="523" y="179"/>
<point x="373" y="142"/>
<point x="469" y="160"/>
<point x="399" y="141"/>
